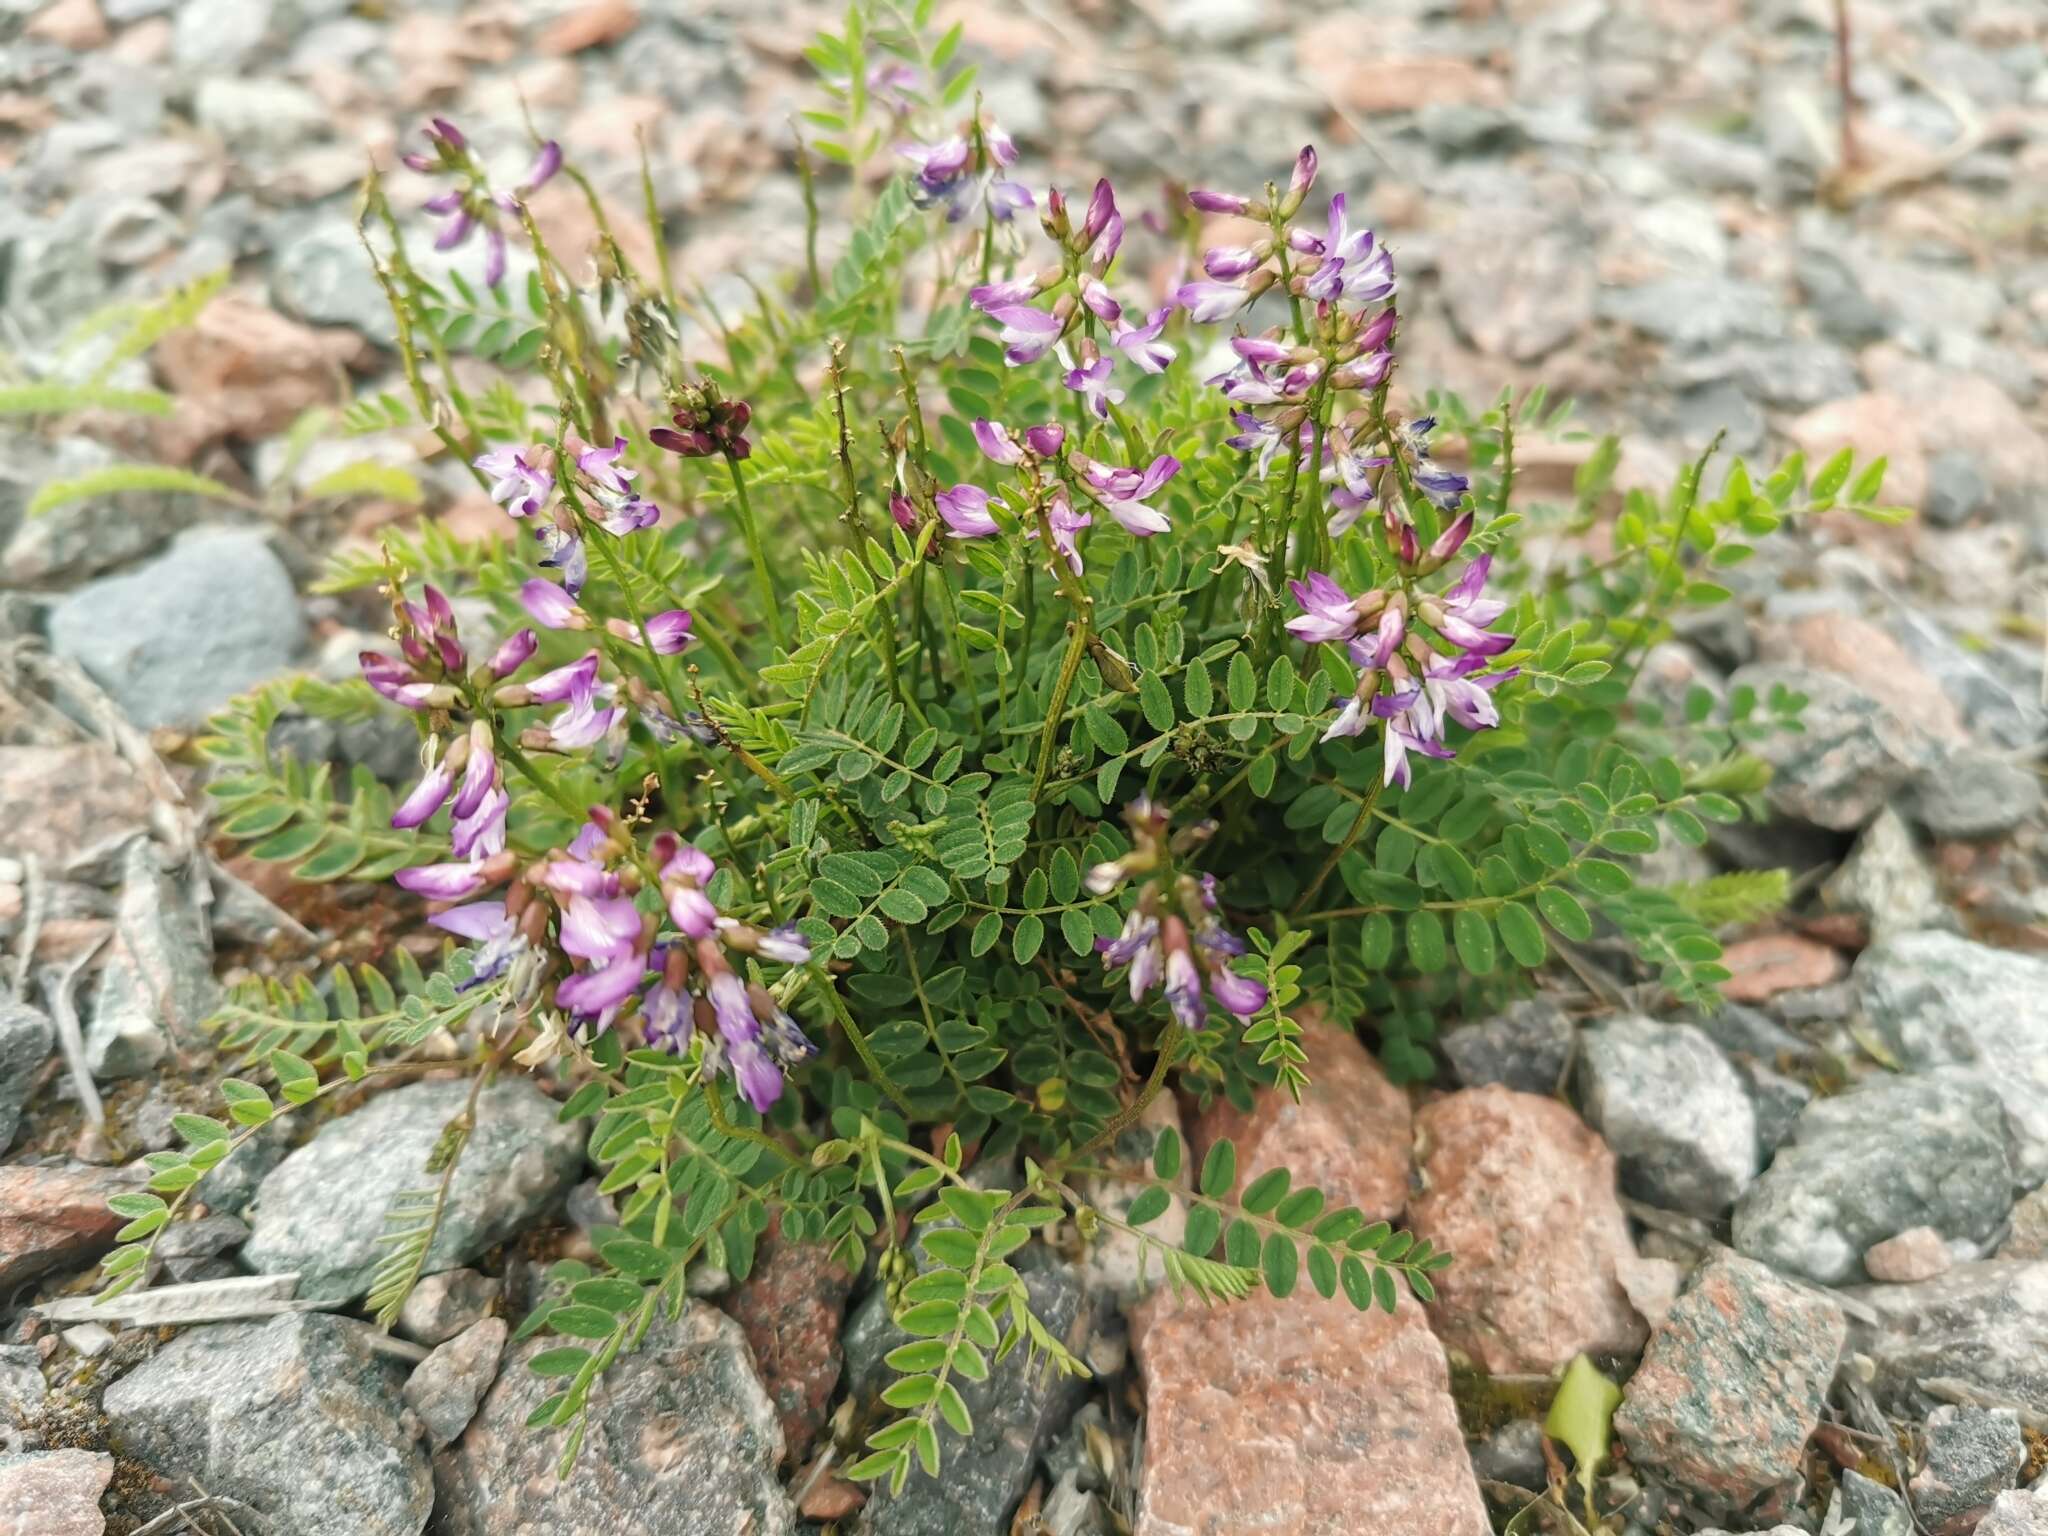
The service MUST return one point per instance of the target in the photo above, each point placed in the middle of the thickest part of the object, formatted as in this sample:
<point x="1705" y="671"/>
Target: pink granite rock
<point x="1523" y="1193"/>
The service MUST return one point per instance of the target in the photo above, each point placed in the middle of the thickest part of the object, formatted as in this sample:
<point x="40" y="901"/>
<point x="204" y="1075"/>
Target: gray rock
<point x="1887" y="881"/>
<point x="2001" y="705"/>
<point x="1458" y="128"/>
<point x="194" y="1250"/>
<point x="2019" y="1513"/>
<point x="1513" y="1454"/>
<point x="321" y="1210"/>
<point x="257" y="114"/>
<point x="1973" y="1455"/>
<point x="1674" y="1111"/>
<point x="1875" y="1509"/>
<point x="1956" y="489"/>
<point x="1977" y="1334"/>
<point x="79" y="538"/>
<point x="1779" y="1100"/>
<point x="446" y="1388"/>
<point x="1695" y="313"/>
<point x="230" y="1187"/>
<point x="157" y="984"/>
<point x="1837" y="299"/>
<point x="1015" y="1413"/>
<point x="132" y="231"/>
<point x="323" y="276"/>
<point x="1744" y="1031"/>
<point x="2028" y="1238"/>
<point x="1726" y="408"/>
<point x="22" y="1393"/>
<point x="178" y="637"/>
<point x="26" y="1037"/>
<point x="443" y="1305"/>
<point x="1213" y="23"/>
<point x="1976" y="794"/>
<point x="1522" y="286"/>
<point x="1937" y="999"/>
<point x="1885" y="1157"/>
<point x="296" y="1417"/>
<point x="222" y="35"/>
<point x="1852" y="756"/>
<point x="681" y="1441"/>
<point x="1526" y="1046"/>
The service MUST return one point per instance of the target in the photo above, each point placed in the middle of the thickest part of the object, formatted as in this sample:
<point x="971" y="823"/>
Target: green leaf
<point x="117" y="479"/>
<point x="1241" y="683"/>
<point x="1564" y="912"/>
<point x="1026" y="938"/>
<point x="1582" y="1415"/>
<point x="1473" y="935"/>
<point x="1280" y="1263"/>
<point x="1166" y="1153"/>
<point x="1522" y="935"/>
<point x="296" y="1079"/>
<point x="1426" y="941"/>
<point x="1266" y="1191"/>
<point x="1150" y="1204"/>
<point x="1376" y="941"/>
<point x="1602" y="877"/>
<point x="1833" y="475"/>
<point x="1219" y="1169"/>
<point x="1197" y="692"/>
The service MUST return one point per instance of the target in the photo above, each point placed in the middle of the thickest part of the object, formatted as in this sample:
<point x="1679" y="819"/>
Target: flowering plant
<point x="927" y="721"/>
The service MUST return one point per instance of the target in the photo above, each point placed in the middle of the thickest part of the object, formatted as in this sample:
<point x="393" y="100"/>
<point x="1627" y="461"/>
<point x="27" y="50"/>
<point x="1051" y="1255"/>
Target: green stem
<point x="750" y="531"/>
<point x="862" y="1049"/>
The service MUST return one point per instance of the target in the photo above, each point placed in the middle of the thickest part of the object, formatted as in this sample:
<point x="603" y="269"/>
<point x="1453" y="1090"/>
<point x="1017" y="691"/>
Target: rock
<point x="1875" y="1509"/>
<point x="1521" y="287"/>
<point x="681" y="1441"/>
<point x="56" y="1216"/>
<point x="180" y="636"/>
<point x="230" y="1187"/>
<point x="156" y="986"/>
<point x="1887" y="881"/>
<point x="252" y="116"/>
<point x="1979" y="1332"/>
<point x="1778" y="1101"/>
<point x="1975" y="794"/>
<point x="1732" y="1385"/>
<point x="76" y="538"/>
<point x="22" y="1392"/>
<point x="1349" y="1136"/>
<point x="1694" y="313"/>
<point x="790" y="1309"/>
<point x="1305" y="1415"/>
<point x="1874" y="425"/>
<point x="1778" y="962"/>
<point x="245" y="372"/>
<point x="443" y="1305"/>
<point x="1973" y="1455"/>
<point x="195" y="1250"/>
<point x="446" y="1387"/>
<point x="132" y="231"/>
<point x="1833" y="640"/>
<point x="1937" y="999"/>
<point x="1524" y="1195"/>
<point x="1892" y="1154"/>
<point x="1918" y="1253"/>
<point x="54" y="1493"/>
<point x="296" y="1416"/>
<point x="1526" y="1046"/>
<point x="2029" y="1236"/>
<point x="323" y="277"/>
<point x="1674" y="1111"/>
<point x="1016" y="1413"/>
<point x="1852" y="756"/>
<point x="1513" y="1454"/>
<point x="319" y="1213"/>
<point x="2017" y="1514"/>
<point x="74" y="24"/>
<point x="1117" y="1263"/>
<point x="71" y="807"/>
<point x="26" y="1039"/>
<point x="1956" y="490"/>
<point x="219" y="35"/>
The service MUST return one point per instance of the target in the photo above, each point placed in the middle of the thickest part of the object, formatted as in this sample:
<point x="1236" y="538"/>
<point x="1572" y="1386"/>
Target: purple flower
<point x="756" y="1077"/>
<point x="1451" y="691"/>
<point x="1141" y="343"/>
<point x="487" y="925"/>
<point x="1066" y="525"/>
<point x="517" y="484"/>
<point x="1122" y="492"/>
<point x="785" y="944"/>
<point x="1256" y="435"/>
<point x="546" y="161"/>
<point x="938" y="166"/>
<point x="1091" y="383"/>
<point x="480" y="775"/>
<point x="1461" y="614"/>
<point x="1235" y="994"/>
<point x="1184" y="988"/>
<point x="1452" y="539"/>
<point x="1226" y="263"/>
<point x="583" y="723"/>
<point x="551" y="607"/>
<point x="990" y="297"/>
<point x="565" y="682"/>
<point x="1026" y="333"/>
<point x="443" y="882"/>
<point x="1207" y="303"/>
<point x="729" y="1001"/>
<point x="1354" y="266"/>
<point x="594" y="994"/>
<point x="780" y="1033"/>
<point x="1408" y="730"/>
<point x="515" y="653"/>
<point x="1328" y="611"/>
<point x="626" y="510"/>
<point x="1303" y="178"/>
<point x="425" y="798"/>
<point x="965" y="510"/>
<point x="480" y="833"/>
<point x="564" y="553"/>
<point x="996" y="443"/>
<point x="1101" y="302"/>
<point x="667" y="1019"/>
<point x="1136" y="946"/>
<point x="599" y="928"/>
<point x="1045" y="440"/>
<point x="668" y="632"/>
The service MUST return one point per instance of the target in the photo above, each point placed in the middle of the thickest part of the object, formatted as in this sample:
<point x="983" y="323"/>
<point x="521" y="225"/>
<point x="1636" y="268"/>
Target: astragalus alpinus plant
<point x="926" y="720"/>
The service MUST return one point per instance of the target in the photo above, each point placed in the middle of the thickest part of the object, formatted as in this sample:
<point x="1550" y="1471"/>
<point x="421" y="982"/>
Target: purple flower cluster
<point x="706" y="425"/>
<point x="960" y="175"/>
<point x="1426" y="687"/>
<point x="1053" y="474"/>
<point x="523" y="483"/>
<point x="469" y="203"/>
<point x="1285" y="378"/>
<point x="1175" y="932"/>
<point x="616" y="961"/>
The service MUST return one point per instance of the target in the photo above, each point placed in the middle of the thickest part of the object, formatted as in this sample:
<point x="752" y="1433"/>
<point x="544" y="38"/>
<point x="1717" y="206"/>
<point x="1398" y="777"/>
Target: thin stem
<point x="1337" y="853"/>
<point x="764" y="583"/>
<point x="866" y="1052"/>
<point x="1077" y="647"/>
